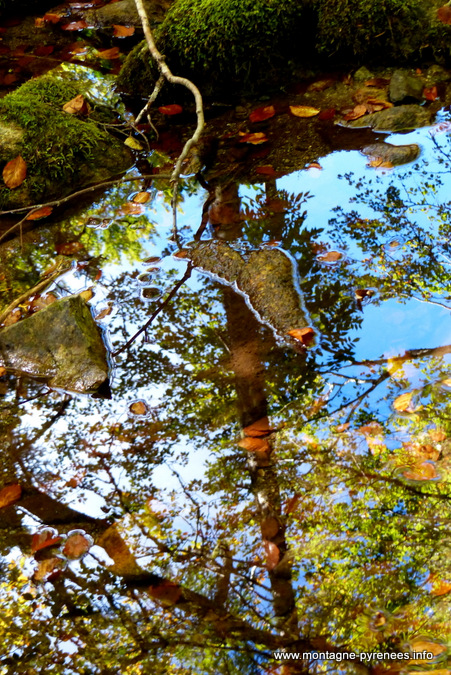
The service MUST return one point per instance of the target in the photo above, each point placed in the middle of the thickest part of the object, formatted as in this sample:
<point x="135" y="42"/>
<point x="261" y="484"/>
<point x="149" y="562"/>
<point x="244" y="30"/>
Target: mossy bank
<point x="62" y="151"/>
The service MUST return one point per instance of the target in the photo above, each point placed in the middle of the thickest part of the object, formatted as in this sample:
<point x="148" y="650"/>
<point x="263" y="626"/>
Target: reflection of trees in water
<point x="322" y="531"/>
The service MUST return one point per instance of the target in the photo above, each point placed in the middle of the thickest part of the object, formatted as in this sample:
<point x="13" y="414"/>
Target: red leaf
<point x="14" y="173"/>
<point x="266" y="170"/>
<point x="172" y="109"/>
<point x="305" y="335"/>
<point x="444" y="14"/>
<point x="260" y="114"/>
<point x="430" y="93"/>
<point x="10" y="494"/>
<point x="44" y="50"/>
<point x="327" y="114"/>
<point x="52" y="17"/>
<point x="75" y="25"/>
<point x="36" y="214"/>
<point x="47" y="537"/>
<point x="123" y="31"/>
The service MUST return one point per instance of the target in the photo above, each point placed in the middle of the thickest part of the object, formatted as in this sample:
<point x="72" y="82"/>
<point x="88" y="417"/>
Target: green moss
<point x="57" y="146"/>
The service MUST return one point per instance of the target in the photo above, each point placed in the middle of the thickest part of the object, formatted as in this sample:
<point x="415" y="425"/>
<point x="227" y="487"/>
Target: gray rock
<point x="399" y="118"/>
<point x="395" y="154"/>
<point x="61" y="344"/>
<point x="404" y="86"/>
<point x="124" y="12"/>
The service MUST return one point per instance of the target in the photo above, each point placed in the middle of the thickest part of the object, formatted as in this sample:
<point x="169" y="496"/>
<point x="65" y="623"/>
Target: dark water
<point x="152" y="533"/>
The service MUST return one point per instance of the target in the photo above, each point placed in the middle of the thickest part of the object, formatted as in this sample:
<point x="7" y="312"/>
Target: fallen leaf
<point x="321" y="85"/>
<point x="130" y="209"/>
<point x="303" y="111"/>
<point x="2" y="371"/>
<point x="184" y="253"/>
<point x="269" y="527"/>
<point x="327" y="114"/>
<point x="171" y="109"/>
<point x="266" y="170"/>
<point x="41" y="301"/>
<point x="87" y="295"/>
<point x="141" y="198"/>
<point x="77" y="106"/>
<point x="421" y="471"/>
<point x="430" y="93"/>
<point x="314" y="165"/>
<point x="380" y="104"/>
<point x="259" y="428"/>
<point x="109" y="54"/>
<point x="342" y="427"/>
<point x="395" y="365"/>
<point x="361" y="293"/>
<point x="39" y="22"/>
<point x="371" y="429"/>
<point x="69" y="248"/>
<point x="48" y="568"/>
<point x="272" y="554"/>
<point x="422" y="451"/>
<point x="437" y="435"/>
<point x="447" y="382"/>
<point x="152" y="260"/>
<point x="36" y="214"/>
<point x="46" y="537"/>
<point x="356" y="112"/>
<point x="379" y="163"/>
<point x="253" y="138"/>
<point x="444" y="14"/>
<point x="252" y="444"/>
<point x="123" y="31"/>
<point x="440" y="587"/>
<point x="260" y="114"/>
<point x="425" y="645"/>
<point x="124" y="561"/>
<point x="77" y="544"/>
<point x="277" y="205"/>
<point x="139" y="408"/>
<point x="44" y="50"/>
<point x="78" y="48"/>
<point x="15" y="172"/>
<point x="168" y="592"/>
<point x="13" y="317"/>
<point x="10" y="494"/>
<point x="305" y="335"/>
<point x="292" y="503"/>
<point x="52" y="17"/>
<point x="379" y="82"/>
<point x="105" y="312"/>
<point x="272" y="243"/>
<point x="75" y="25"/>
<point x="403" y="402"/>
<point x="330" y="256"/>
<point x="133" y="143"/>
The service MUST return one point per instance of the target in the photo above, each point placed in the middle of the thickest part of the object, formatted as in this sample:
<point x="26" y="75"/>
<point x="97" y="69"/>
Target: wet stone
<point x="399" y="118"/>
<point x="404" y="86"/>
<point x="61" y="344"/>
<point x="395" y="154"/>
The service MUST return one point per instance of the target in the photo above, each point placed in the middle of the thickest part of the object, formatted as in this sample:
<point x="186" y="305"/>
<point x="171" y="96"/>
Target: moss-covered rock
<point x="62" y="151"/>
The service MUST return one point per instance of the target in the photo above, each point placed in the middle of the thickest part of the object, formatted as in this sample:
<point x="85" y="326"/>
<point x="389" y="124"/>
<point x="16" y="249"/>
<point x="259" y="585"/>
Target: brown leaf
<point x="130" y="209"/>
<point x="252" y="444"/>
<point x="184" y="253"/>
<point x="379" y="82"/>
<point x="272" y="554"/>
<point x="122" y="31"/>
<point x="327" y="114"/>
<point x="77" y="106"/>
<point x="305" y="335"/>
<point x="444" y="14"/>
<point x="75" y="25"/>
<point x="269" y="527"/>
<point x="41" y="301"/>
<point x="109" y="54"/>
<point x="138" y="408"/>
<point x="124" y="561"/>
<point x="342" y="427"/>
<point x="314" y="165"/>
<point x="437" y="435"/>
<point x="52" y="17"/>
<point x="10" y="494"/>
<point x="103" y="313"/>
<point x="77" y="544"/>
<point x="379" y="163"/>
<point x="15" y="172"/>
<point x="266" y="170"/>
<point x="253" y="138"/>
<point x="48" y="568"/>
<point x="168" y="592"/>
<point x="141" y="198"/>
<point x="421" y="471"/>
<point x="356" y="112"/>
<point x="43" y="50"/>
<point x="13" y="317"/>
<point x="403" y="402"/>
<point x="37" y="214"/>
<point x="425" y="645"/>
<point x="69" y="248"/>
<point x="292" y="503"/>
<point x="87" y="294"/>
<point x="330" y="256"/>
<point x="321" y="85"/>
<point x="46" y="537"/>
<point x="303" y="110"/>
<point x="259" y="428"/>
<point x="260" y="114"/>
<point x="371" y="429"/>
<point x="430" y="93"/>
<point x="171" y="109"/>
<point x="440" y="587"/>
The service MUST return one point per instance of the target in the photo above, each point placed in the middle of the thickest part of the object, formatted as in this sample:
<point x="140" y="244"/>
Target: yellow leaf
<point x="425" y="645"/>
<point x="395" y="364"/>
<point x="138" y="408"/>
<point x="141" y="198"/>
<point x="303" y="111"/>
<point x="133" y="143"/>
<point x="87" y="294"/>
<point x="447" y="382"/>
<point x="403" y="402"/>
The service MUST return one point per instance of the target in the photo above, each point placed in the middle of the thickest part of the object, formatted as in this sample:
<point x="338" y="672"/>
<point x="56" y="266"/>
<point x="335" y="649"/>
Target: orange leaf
<point x="305" y="335"/>
<point x="421" y="471"/>
<point x="357" y="112"/>
<point x="52" y="17"/>
<point x="14" y="173"/>
<point x="152" y="260"/>
<point x="444" y="14"/>
<point x="437" y="435"/>
<point x="269" y="527"/>
<point x="141" y="198"/>
<point x="272" y="554"/>
<point x="77" y="544"/>
<point x="39" y="213"/>
<point x="172" y="109"/>
<point x="314" y="165"/>
<point x="123" y="31"/>
<point x="342" y="427"/>
<point x="131" y="209"/>
<point x="2" y="371"/>
<point x="379" y="163"/>
<point x="330" y="256"/>
<point x="113" y="53"/>
<point x="47" y="537"/>
<point x="41" y="301"/>
<point x="77" y="105"/>
<point x="403" y="402"/>
<point x="43" y="50"/>
<point x="184" y="253"/>
<point x="379" y="82"/>
<point x="259" y="428"/>
<point x="75" y="25"/>
<point x="10" y="494"/>
<point x="430" y="93"/>
<point x="253" y="138"/>
<point x="266" y="170"/>
<point x="440" y="587"/>
<point x="260" y="114"/>
<point x="254" y="444"/>
<point x="138" y="408"/>
<point x="303" y="111"/>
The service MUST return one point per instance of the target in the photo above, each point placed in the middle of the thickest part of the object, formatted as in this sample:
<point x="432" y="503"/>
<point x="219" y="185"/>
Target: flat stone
<point x="398" y="118"/>
<point x="61" y="345"/>
<point x="395" y="154"/>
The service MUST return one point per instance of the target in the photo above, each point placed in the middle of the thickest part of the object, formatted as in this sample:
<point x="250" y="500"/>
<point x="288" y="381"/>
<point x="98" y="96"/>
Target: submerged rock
<point x="61" y="344"/>
<point x="266" y="278"/>
<point x="395" y="154"/>
<point x="400" y="118"/>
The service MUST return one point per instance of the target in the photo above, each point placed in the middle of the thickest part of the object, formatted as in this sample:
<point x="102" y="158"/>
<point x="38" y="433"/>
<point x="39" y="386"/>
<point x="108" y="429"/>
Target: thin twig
<point x="160" y="307"/>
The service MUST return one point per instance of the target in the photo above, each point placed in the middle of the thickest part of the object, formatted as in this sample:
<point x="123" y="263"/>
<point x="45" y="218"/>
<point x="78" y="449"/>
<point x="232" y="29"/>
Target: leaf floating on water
<point x="314" y="165"/>
<point x="122" y="31"/>
<point x="395" y="365"/>
<point x="425" y="645"/>
<point x="171" y="109"/>
<point x="139" y="408"/>
<point x="130" y="209"/>
<point x="421" y="471"/>
<point x="168" y="592"/>
<point x="327" y="114"/>
<point x="330" y="256"/>
<point x="141" y="198"/>
<point x="77" y="544"/>
<point x="305" y="335"/>
<point x="342" y="427"/>
<point x="41" y="301"/>
<point x="69" y="248"/>
<point x="261" y="114"/>
<point x="430" y="93"/>
<point x="132" y="143"/>
<point x="152" y="260"/>
<point x="105" y="312"/>
<point x="48" y="569"/>
<point x="184" y="253"/>
<point x="109" y="54"/>
<point x="447" y="382"/>
<point x="361" y="293"/>
<point x="13" y="317"/>
<point x="252" y="444"/>
<point x="304" y="111"/>
<point x="15" y="172"/>
<point x="52" y="17"/>
<point x="75" y="25"/>
<point x="87" y="295"/>
<point x="37" y="214"/>
<point x="358" y="111"/>
<point x="440" y="587"/>
<point x="403" y="402"/>
<point x="45" y="538"/>
<point x="444" y="14"/>
<point x="2" y="371"/>
<point x="272" y="554"/>
<point x="10" y="494"/>
<point x="259" y="428"/>
<point x="379" y="163"/>
<point x="266" y="170"/>
<point x="437" y="435"/>
<point x="77" y="106"/>
<point x="253" y="138"/>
